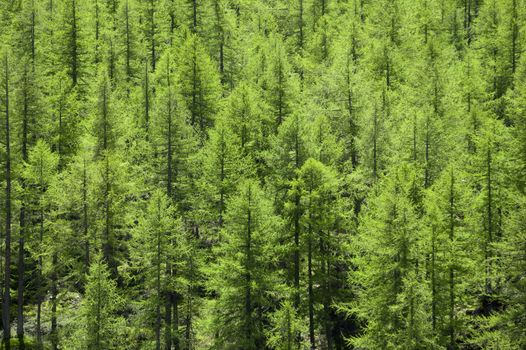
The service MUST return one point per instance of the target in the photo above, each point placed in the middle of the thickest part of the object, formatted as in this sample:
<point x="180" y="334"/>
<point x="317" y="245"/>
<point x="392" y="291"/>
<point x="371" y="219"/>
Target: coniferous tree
<point x="199" y="83"/>
<point x="98" y="323"/>
<point x="241" y="275"/>
<point x="391" y="295"/>
<point x="40" y="175"/>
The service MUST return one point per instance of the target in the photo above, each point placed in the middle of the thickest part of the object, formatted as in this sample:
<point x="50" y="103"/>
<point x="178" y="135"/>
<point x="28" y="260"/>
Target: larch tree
<point x="40" y="174"/>
<point x="240" y="276"/>
<point x="390" y="293"/>
<point x="318" y="186"/>
<point x="449" y="249"/>
<point x="199" y="83"/>
<point x="153" y="241"/>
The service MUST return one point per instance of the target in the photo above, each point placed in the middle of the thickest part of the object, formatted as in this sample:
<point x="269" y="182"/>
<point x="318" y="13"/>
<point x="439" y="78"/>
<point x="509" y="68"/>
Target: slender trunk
<point x="54" y="293"/>
<point x="40" y="296"/>
<point x="146" y="101"/>
<point x="108" y="239"/>
<point x="375" y="143"/>
<point x="289" y="330"/>
<point x="33" y="15"/>
<point x="352" y="124"/>
<point x="158" y="283"/>
<point x="168" y="313"/>
<point x="172" y="21"/>
<point x="221" y="35"/>
<point x="451" y="266"/>
<point x="21" y="280"/>
<point x="387" y="70"/>
<point x="85" y="225"/>
<point x="221" y="58"/>
<point x="97" y="31"/>
<point x="281" y="93"/>
<point x="98" y="316"/>
<point x="194" y="85"/>
<point x="433" y="278"/>
<point x="514" y="36"/>
<point x="300" y="24"/>
<point x="414" y="138"/>
<point x="41" y="291"/>
<point x="297" y="228"/>
<point x="128" y="45"/>
<point x="21" y="240"/>
<point x="152" y="32"/>
<point x="169" y="273"/>
<point x="111" y="63"/>
<point x="189" y="306"/>
<point x="309" y="274"/>
<point x="169" y="152"/>
<point x="7" y="273"/>
<point x="194" y="15"/>
<point x="73" y="44"/>
<point x="248" y="276"/>
<point x="175" y="302"/>
<point x="222" y="179"/>
<point x="489" y="238"/>
<point x="296" y="252"/>
<point x="325" y="272"/>
<point x="426" y="174"/>
<point x="311" y="291"/>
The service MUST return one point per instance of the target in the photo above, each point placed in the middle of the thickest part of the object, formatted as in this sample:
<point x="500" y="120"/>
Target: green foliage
<point x="98" y="325"/>
<point x="245" y="257"/>
<point x="263" y="174"/>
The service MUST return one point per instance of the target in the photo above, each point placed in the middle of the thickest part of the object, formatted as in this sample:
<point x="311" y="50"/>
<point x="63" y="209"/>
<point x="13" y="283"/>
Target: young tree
<point x="39" y="175"/>
<point x="288" y="153"/>
<point x="6" y="301"/>
<point x="199" y="83"/>
<point x="99" y="325"/>
<point x="153" y="243"/>
<point x="242" y="276"/>
<point x="450" y="268"/>
<point x="318" y="186"/>
<point x="285" y="326"/>
<point x="391" y="296"/>
<point x="223" y="164"/>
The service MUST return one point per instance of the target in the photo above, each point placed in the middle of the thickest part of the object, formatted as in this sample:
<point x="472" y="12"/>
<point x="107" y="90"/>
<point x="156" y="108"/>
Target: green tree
<point x="98" y="324"/>
<point x="199" y="83"/>
<point x="318" y="186"/>
<point x="154" y="241"/>
<point x="449" y="246"/>
<point x="40" y="174"/>
<point x="242" y="275"/>
<point x="391" y="294"/>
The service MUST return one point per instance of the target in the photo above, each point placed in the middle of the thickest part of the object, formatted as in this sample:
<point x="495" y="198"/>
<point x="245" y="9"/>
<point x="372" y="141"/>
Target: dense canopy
<point x="263" y="174"/>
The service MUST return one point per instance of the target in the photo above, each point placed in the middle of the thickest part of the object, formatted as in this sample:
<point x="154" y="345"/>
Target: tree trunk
<point x="311" y="291"/>
<point x="146" y="101"/>
<point x="194" y="15"/>
<point x="152" y="29"/>
<point x="85" y="224"/>
<point x="21" y="240"/>
<point x="375" y="142"/>
<point x="128" y="45"/>
<point x="54" y="293"/>
<point x="433" y="278"/>
<point x="248" y="274"/>
<point x="169" y="189"/>
<point x="451" y="267"/>
<point x="73" y="45"/>
<point x="158" y="286"/>
<point x="7" y="273"/>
